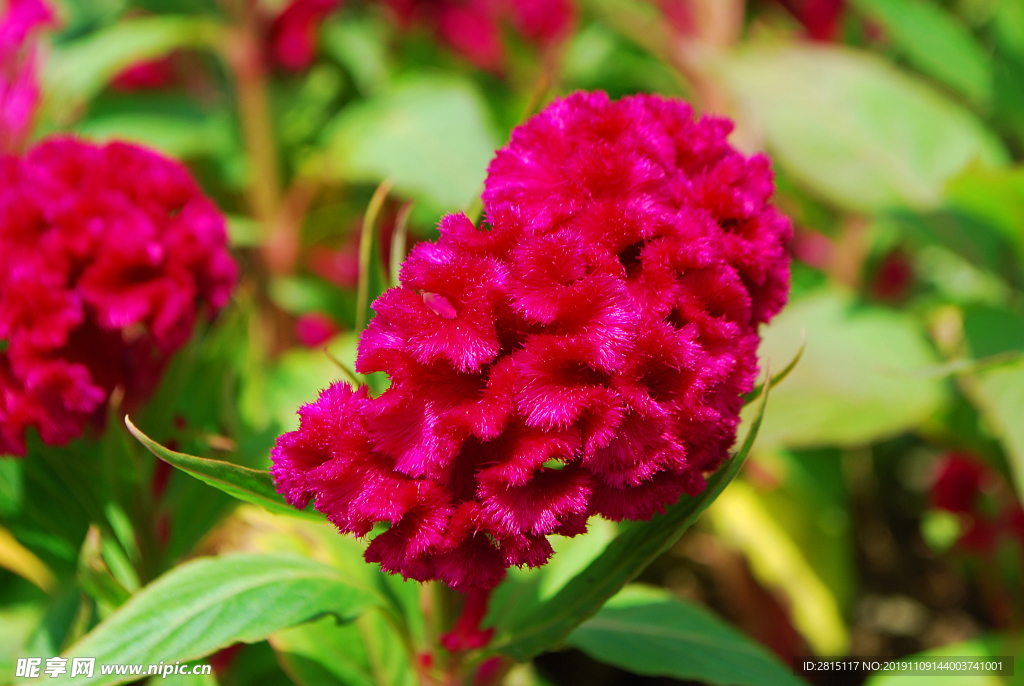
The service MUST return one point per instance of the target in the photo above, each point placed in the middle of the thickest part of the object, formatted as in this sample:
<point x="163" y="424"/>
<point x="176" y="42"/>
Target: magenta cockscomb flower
<point x="583" y="352"/>
<point x="106" y="254"/>
<point x="473" y="27"/>
<point x="20" y="22"/>
<point x="293" y="34"/>
<point x="148" y="75"/>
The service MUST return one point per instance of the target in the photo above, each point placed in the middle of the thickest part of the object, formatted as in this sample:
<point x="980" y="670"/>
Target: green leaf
<point x="968" y="236"/>
<point x="300" y="373"/>
<point x="991" y="331"/>
<point x="184" y="137"/>
<point x="777" y="378"/>
<point x="746" y="522"/>
<point x="211" y="603"/>
<point x="16" y="624"/>
<point x="647" y="631"/>
<point x="524" y="589"/>
<point x="639" y="543"/>
<point x="18" y="559"/>
<point x="78" y="70"/>
<point x="47" y="515"/>
<point x="323" y="653"/>
<point x="250" y="485"/>
<point x="858" y="380"/>
<point x="431" y="135"/>
<point x="320" y="541"/>
<point x="995" y="196"/>
<point x="360" y="44"/>
<point x="810" y="503"/>
<point x="999" y="393"/>
<point x="935" y="42"/>
<point x="855" y="130"/>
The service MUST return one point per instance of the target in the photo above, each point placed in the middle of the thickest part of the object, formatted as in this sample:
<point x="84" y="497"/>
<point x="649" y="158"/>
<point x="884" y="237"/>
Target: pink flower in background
<point x="20" y="21"/>
<point x="293" y="35"/>
<point x="473" y="27"/>
<point x="582" y="353"/>
<point x="151" y="75"/>
<point x="106" y="255"/>
<point x="962" y="483"/>
<point x="820" y="18"/>
<point x="314" y="329"/>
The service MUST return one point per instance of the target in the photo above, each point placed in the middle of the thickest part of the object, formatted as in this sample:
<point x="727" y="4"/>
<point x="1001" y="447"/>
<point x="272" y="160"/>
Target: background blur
<point x="880" y="513"/>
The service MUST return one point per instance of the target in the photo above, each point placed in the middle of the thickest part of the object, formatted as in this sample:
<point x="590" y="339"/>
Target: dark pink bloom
<point x="106" y="255"/>
<point x="894" y="277"/>
<point x="583" y="352"/>
<point x="958" y="483"/>
<point x="151" y="75"/>
<point x="962" y="484"/>
<point x="340" y="267"/>
<point x="314" y="329"/>
<point x="820" y="18"/>
<point x="473" y="27"/>
<point x="293" y="34"/>
<point x="20" y="21"/>
<point x="542" y="21"/>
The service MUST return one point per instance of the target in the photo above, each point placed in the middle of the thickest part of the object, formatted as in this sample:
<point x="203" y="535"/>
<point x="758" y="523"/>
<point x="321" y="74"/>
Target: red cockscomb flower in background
<point x="960" y="486"/>
<point x="820" y="18"/>
<point x="289" y="41"/>
<point x="473" y="27"/>
<point x="106" y="253"/>
<point x="582" y="353"/>
<point x="294" y="31"/>
<point x="149" y="75"/>
<point x="20" y="21"/>
<point x="313" y="329"/>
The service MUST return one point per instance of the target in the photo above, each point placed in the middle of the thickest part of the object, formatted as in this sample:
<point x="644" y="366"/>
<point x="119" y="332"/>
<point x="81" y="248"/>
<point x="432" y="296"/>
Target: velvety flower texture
<point x="20" y="21"/>
<point x="582" y="353"/>
<point x="105" y="255"/>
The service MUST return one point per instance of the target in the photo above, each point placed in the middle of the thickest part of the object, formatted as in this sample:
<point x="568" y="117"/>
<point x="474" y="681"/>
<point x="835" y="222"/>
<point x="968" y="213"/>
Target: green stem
<point x="244" y="56"/>
<point x="366" y="252"/>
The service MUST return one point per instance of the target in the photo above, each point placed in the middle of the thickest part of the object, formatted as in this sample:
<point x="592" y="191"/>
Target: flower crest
<point x="106" y="254"/>
<point x="583" y="352"/>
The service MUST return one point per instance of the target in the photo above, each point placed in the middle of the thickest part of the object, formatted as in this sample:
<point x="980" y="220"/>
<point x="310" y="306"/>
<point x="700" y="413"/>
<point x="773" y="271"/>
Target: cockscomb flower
<point x="820" y="18"/>
<point x="582" y="352"/>
<point x="293" y="34"/>
<point x="473" y="27"/>
<point x="106" y="254"/>
<point x="148" y="75"/>
<point x="963" y="483"/>
<point x="20" y="22"/>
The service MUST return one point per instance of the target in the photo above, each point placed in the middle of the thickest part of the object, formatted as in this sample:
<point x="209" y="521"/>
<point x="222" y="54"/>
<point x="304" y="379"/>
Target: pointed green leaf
<point x="547" y="625"/>
<point x="211" y="603"/>
<point x="858" y="380"/>
<point x="855" y="130"/>
<point x="79" y="69"/>
<point x="646" y="631"/>
<point x="250" y="485"/>
<point x="999" y="394"/>
<point x="935" y="42"/>
<point x="431" y="135"/>
<point x="778" y="378"/>
<point x="323" y="654"/>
